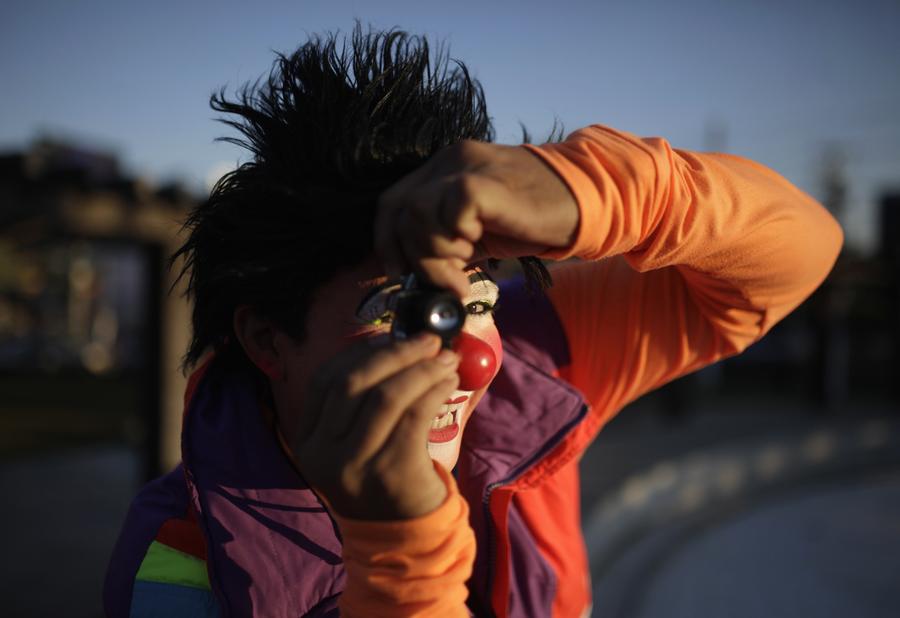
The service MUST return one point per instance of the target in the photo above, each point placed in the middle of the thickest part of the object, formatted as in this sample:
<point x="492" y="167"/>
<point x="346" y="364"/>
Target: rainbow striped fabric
<point x="173" y="575"/>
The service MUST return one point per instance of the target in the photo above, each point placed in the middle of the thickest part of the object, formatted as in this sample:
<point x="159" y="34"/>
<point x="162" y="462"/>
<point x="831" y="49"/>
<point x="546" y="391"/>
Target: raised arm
<point x="690" y="258"/>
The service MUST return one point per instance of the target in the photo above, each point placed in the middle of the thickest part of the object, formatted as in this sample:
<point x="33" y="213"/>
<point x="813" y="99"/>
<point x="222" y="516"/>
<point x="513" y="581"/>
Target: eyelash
<point x="486" y="308"/>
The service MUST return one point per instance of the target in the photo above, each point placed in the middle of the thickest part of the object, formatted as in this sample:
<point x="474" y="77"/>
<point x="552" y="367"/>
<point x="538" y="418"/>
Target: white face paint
<point x="448" y="426"/>
<point x="445" y="435"/>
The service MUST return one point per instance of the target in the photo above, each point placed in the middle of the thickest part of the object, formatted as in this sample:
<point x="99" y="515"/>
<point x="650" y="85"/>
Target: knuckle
<point x="419" y="413"/>
<point x="467" y="149"/>
<point x="434" y="372"/>
<point x="465" y="189"/>
<point x="433" y="267"/>
<point x="453" y="383"/>
<point x="381" y="468"/>
<point x="447" y="381"/>
<point x="458" y="265"/>
<point x="438" y="245"/>
<point x="410" y="352"/>
<point x="383" y="397"/>
<point x="352" y="383"/>
<point x="347" y="477"/>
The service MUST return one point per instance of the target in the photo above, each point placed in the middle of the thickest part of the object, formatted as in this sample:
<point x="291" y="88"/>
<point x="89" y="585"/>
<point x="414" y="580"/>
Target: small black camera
<point x="418" y="308"/>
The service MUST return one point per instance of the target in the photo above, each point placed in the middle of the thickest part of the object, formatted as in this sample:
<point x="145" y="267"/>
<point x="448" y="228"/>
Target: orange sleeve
<point x="691" y="257"/>
<point x="416" y="567"/>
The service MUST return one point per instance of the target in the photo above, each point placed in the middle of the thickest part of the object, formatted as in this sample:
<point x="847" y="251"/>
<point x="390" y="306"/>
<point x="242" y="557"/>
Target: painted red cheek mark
<point x="478" y="362"/>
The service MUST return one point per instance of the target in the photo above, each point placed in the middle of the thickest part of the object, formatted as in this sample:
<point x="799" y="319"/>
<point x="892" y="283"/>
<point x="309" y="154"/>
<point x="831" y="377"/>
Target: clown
<point x="332" y="468"/>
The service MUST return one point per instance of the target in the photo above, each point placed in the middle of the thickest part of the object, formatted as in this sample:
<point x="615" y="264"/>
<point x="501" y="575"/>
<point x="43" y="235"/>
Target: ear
<point x="259" y="337"/>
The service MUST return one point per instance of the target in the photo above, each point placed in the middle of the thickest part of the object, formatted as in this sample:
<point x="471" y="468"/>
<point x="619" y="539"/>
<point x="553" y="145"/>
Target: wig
<point x="332" y="126"/>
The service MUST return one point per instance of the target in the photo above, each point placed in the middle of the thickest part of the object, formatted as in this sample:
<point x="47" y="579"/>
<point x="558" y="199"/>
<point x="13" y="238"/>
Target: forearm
<point x="410" y="568"/>
<point x="749" y="238"/>
<point x="704" y="254"/>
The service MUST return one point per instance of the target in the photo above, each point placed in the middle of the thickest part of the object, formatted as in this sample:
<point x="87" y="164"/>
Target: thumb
<point x="413" y="428"/>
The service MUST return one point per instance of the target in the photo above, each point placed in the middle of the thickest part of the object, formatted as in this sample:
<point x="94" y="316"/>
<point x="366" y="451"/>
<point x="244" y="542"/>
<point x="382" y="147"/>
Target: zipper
<point x="521" y="469"/>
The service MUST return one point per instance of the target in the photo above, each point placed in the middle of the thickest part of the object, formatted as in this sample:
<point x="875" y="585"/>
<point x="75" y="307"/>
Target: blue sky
<point x="784" y="78"/>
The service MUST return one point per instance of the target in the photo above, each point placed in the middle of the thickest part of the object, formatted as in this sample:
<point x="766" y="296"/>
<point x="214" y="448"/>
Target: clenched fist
<point x="471" y="201"/>
<point x="366" y="419"/>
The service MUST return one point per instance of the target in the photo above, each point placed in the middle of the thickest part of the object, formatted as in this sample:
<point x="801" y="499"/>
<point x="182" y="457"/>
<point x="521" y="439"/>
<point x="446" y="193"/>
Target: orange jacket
<point x="686" y="258"/>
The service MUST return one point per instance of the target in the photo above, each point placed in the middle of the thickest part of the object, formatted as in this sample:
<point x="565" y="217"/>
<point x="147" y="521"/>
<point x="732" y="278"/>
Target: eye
<point x="374" y="310"/>
<point x="480" y="308"/>
<point x="386" y="318"/>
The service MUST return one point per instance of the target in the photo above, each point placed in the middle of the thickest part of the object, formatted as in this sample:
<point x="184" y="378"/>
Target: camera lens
<point x="422" y="308"/>
<point x="444" y="316"/>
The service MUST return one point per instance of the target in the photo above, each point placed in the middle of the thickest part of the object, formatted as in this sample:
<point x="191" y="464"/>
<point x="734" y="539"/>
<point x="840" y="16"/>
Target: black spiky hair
<point x="332" y="126"/>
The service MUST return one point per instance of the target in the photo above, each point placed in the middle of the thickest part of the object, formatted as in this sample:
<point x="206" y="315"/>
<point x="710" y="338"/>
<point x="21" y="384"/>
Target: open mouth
<point x="445" y="426"/>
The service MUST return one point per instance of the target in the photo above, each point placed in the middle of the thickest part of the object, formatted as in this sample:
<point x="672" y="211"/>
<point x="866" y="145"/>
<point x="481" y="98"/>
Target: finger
<point x="445" y="273"/>
<point x="323" y="380"/>
<point x="427" y="236"/>
<point x="391" y="203"/>
<point x="411" y="431"/>
<point x="434" y="211"/>
<point x="431" y="257"/>
<point x="388" y="402"/>
<point x="421" y="234"/>
<point x="461" y="204"/>
<point x="361" y="373"/>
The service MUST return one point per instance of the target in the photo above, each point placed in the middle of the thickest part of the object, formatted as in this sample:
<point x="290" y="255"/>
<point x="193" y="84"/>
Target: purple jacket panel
<point x="531" y="328"/>
<point x="525" y="414"/>
<point x="273" y="549"/>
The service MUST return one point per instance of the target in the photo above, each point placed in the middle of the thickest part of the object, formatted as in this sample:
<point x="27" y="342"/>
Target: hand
<point x="364" y="429"/>
<point x="471" y="201"/>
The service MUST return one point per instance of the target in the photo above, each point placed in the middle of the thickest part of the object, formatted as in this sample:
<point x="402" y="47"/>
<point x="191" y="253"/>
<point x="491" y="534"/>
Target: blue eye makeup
<point x="480" y="308"/>
<point x="374" y="309"/>
<point x="374" y="306"/>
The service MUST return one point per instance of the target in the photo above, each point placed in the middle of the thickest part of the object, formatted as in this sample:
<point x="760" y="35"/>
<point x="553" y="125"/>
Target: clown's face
<point x="355" y="304"/>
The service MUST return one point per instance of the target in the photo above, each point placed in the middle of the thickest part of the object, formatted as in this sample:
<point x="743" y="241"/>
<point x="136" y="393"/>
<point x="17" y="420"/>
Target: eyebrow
<point x="374" y="291"/>
<point x="478" y="276"/>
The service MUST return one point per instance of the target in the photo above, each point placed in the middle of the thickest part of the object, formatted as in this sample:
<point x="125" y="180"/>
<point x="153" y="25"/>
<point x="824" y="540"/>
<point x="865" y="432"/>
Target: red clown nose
<point x="477" y="362"/>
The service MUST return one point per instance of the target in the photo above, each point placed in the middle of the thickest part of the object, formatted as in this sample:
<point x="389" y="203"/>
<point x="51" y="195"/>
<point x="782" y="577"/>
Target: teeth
<point x="444" y="421"/>
<point x="450" y="412"/>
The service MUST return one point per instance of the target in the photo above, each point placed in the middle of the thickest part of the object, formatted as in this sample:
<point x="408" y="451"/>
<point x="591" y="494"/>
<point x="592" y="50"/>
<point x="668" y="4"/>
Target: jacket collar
<point x="523" y="431"/>
<point x="267" y="532"/>
<point x="513" y="438"/>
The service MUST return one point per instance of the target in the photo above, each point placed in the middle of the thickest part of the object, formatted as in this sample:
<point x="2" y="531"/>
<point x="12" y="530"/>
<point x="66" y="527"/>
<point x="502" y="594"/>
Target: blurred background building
<point x="90" y="337"/>
<point x="767" y="484"/>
